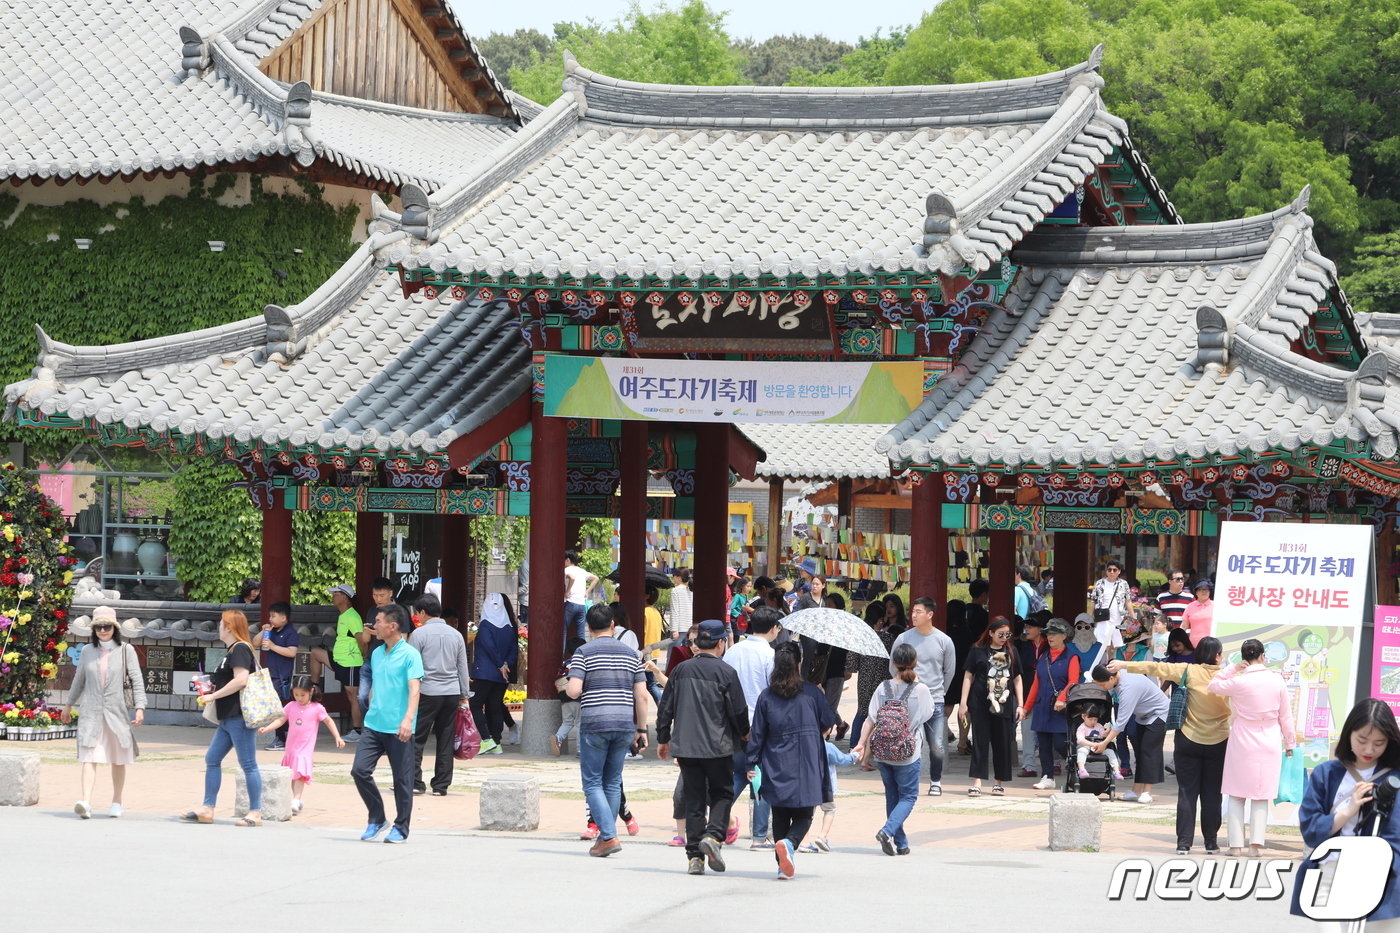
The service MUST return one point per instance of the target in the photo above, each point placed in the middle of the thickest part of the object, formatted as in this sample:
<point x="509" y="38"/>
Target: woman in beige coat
<point x="104" y="732"/>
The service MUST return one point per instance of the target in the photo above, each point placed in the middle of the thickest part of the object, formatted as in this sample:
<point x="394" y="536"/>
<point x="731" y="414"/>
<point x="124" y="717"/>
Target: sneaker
<point x="783" y="853"/>
<point x="935" y="790"/>
<point x="710" y="846"/>
<point x="554" y="747"/>
<point x="1212" y="848"/>
<point x="1183" y="850"/>
<point x="1083" y="772"/>
<point x="274" y="746"/>
<point x="1045" y="783"/>
<point x="822" y="845"/>
<point x="591" y="832"/>
<point x="439" y="793"/>
<point x="296" y="805"/>
<point x="371" y="832"/>
<point x="488" y="746"/>
<point x="1026" y="772"/>
<point x="352" y="736"/>
<point x="604" y="847"/>
<point x="633" y="756"/>
<point x="632" y="827"/>
<point x="677" y="841"/>
<point x="695" y="866"/>
<point x="419" y="791"/>
<point x="810" y="847"/>
<point x="512" y="736"/>
<point x="115" y="812"/>
<point x="886" y="842"/>
<point x="1128" y="795"/>
<point x="1144" y="797"/>
<point x="764" y="843"/>
<point x="496" y="749"/>
<point x="395" y="836"/>
<point x="83" y="810"/>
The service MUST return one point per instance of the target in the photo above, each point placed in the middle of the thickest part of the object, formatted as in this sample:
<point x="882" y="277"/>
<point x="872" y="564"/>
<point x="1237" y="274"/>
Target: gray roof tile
<point x="819" y="451"/>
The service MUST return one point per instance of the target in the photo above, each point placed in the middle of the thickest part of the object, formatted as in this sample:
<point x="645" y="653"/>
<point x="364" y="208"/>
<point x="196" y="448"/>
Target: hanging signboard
<point x="1301" y="590"/>
<point x="716" y="322"/>
<point x="1385" y="657"/>
<point x="731" y="391"/>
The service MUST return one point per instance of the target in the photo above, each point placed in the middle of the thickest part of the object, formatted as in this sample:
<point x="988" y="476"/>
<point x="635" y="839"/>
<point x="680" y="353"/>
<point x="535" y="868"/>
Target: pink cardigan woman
<point x="1261" y="729"/>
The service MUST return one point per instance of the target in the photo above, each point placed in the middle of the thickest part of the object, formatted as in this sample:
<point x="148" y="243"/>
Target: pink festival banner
<point x="1385" y="659"/>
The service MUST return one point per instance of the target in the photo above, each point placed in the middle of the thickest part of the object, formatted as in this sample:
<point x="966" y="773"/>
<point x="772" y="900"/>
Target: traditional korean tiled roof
<point x="101" y="88"/>
<point x="356" y="367"/>
<point x="1120" y="346"/>
<point x="621" y="180"/>
<point x="819" y="451"/>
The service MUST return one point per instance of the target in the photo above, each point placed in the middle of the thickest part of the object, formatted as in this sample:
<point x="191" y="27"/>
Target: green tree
<point x="687" y="44"/>
<point x="506" y="51"/>
<point x="771" y="62"/>
<point x="1374" y="282"/>
<point x="863" y="66"/>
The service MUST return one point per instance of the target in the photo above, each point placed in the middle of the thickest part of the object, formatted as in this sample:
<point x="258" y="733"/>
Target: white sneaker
<point x="296" y="805"/>
<point x="115" y="812"/>
<point x="1130" y="796"/>
<point x="83" y="810"/>
<point x="1143" y="797"/>
<point x="1045" y="783"/>
<point x="352" y="736"/>
<point x="512" y="736"/>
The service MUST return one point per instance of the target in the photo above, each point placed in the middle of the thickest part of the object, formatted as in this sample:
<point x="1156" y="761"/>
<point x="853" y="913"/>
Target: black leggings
<point x="488" y="707"/>
<point x="1051" y="746"/>
<point x="792" y="824"/>
<point x="994" y="733"/>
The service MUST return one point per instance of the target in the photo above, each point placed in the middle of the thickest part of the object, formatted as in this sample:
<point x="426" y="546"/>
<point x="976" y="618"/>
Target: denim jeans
<point x="857" y="724"/>
<point x="936" y="742"/>
<point x="901" y="793"/>
<point x="232" y="734"/>
<point x="574" y="615"/>
<point x="762" y="809"/>
<point x="283" y="686"/>
<point x="600" y="760"/>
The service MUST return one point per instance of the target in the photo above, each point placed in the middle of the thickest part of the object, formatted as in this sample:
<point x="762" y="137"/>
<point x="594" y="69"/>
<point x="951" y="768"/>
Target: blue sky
<point x="758" y="19"/>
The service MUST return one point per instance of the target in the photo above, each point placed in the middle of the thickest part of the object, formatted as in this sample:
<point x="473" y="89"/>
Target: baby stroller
<point x="1082" y="699"/>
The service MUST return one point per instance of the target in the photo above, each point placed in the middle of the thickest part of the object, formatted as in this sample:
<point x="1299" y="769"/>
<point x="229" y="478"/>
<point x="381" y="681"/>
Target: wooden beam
<point x="775" y="524"/>
<point x="474" y="444"/>
<point x="462" y="92"/>
<point x="873" y="500"/>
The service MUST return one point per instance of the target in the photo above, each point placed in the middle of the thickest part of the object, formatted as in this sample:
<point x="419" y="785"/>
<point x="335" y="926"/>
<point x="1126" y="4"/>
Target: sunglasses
<point x="103" y="628"/>
<point x="1083" y="628"/>
<point x="1111" y="570"/>
<point x="1178" y="579"/>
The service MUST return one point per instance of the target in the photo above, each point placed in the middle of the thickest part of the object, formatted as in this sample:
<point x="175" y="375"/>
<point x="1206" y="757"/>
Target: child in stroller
<point x="1087" y="706"/>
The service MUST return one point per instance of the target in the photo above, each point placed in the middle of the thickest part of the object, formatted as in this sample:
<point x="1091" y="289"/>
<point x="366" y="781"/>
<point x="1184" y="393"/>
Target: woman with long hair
<point x="899" y="773"/>
<point x="1261" y="730"/>
<point x="228" y="681"/>
<point x="787" y="753"/>
<point x="991" y="701"/>
<point x="1338" y="802"/>
<point x="895" y="618"/>
<point x="1200" y="742"/>
<point x="104" y="732"/>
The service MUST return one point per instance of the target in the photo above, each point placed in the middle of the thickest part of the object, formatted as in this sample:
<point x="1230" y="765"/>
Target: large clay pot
<point x="123" y="557"/>
<point x="151" y="556"/>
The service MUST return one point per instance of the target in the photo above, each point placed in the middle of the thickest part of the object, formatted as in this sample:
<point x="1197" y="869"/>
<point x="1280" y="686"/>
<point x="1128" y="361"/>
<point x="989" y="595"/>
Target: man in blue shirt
<point x="279" y="641"/>
<point x="389" y="724"/>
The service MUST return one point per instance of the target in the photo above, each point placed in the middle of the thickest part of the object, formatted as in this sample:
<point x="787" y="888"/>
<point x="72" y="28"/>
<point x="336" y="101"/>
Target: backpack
<point x="1035" y="600"/>
<point x="893" y="738"/>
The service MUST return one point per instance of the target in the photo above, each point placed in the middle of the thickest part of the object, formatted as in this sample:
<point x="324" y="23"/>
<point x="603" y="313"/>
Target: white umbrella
<point x="837" y="628"/>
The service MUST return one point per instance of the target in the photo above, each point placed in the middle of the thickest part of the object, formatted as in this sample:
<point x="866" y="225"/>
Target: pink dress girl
<point x="303" y="722"/>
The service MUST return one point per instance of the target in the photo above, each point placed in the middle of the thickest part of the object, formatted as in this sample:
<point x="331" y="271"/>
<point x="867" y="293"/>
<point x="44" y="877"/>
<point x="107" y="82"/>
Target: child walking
<point x="568" y="707"/>
<point x="835" y="758"/>
<point x="303" y="716"/>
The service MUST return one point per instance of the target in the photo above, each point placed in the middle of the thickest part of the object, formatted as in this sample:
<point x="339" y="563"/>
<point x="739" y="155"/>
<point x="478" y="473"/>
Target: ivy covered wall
<point x="150" y="272"/>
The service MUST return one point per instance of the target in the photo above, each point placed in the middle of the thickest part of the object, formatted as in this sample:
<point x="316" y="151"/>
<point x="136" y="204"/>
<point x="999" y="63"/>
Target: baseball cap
<point x="713" y="629"/>
<point x="731" y="573"/>
<point x="345" y="588"/>
<point x="1057" y="625"/>
<point x="1033" y="621"/>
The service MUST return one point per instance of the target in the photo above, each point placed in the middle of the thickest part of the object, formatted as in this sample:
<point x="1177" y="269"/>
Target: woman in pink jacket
<point x="1261" y="729"/>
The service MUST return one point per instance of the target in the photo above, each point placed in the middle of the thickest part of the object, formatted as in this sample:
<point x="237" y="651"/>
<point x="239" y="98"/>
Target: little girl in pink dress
<point x="304" y="716"/>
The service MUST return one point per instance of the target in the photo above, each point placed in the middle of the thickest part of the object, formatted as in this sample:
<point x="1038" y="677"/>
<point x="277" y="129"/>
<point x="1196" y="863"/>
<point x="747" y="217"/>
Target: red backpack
<point x="893" y="738"/>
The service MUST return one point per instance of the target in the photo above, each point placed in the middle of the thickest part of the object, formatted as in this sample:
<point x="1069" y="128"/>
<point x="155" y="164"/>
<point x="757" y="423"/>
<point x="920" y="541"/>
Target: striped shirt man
<point x="1173" y="600"/>
<point x="608" y="669"/>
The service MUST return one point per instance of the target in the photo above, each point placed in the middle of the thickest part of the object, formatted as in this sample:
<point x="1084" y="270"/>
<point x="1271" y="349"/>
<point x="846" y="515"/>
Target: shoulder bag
<point x="128" y="696"/>
<point x="259" y="700"/>
<point x="1176" y="712"/>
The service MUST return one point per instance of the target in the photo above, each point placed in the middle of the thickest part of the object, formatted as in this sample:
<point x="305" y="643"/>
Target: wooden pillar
<point x="711" y="520"/>
<point x="1130" y="556"/>
<point x="928" y="545"/>
<point x="572" y="534"/>
<point x="1072" y="572"/>
<point x="845" y="510"/>
<point x="632" y="527"/>
<point x="456" y="566"/>
<point x="548" y="462"/>
<point x="276" y="552"/>
<point x="1001" y="575"/>
<point x="369" y="554"/>
<point x="775" y="525"/>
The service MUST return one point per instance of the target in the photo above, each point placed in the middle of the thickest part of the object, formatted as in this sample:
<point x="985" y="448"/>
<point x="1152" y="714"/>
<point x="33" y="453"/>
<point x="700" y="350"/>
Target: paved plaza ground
<point x="976" y="862"/>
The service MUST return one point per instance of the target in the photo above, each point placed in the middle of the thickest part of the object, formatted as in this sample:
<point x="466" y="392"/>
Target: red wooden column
<point x="775" y="526"/>
<point x="1001" y="575"/>
<point x="276" y="552"/>
<point x="369" y="554"/>
<point x="548" y="462"/>
<point x="928" y="545"/>
<point x="632" y="527"/>
<point x="456" y="533"/>
<point x="1071" y="574"/>
<point x="711" y="519"/>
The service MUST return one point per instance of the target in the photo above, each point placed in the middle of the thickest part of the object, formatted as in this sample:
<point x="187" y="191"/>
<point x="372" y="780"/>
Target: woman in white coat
<point x="104" y="668"/>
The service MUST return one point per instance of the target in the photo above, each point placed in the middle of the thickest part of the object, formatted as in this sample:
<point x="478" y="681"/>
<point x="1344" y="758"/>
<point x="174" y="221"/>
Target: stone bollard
<point x="510" y="804"/>
<point x="19" y="779"/>
<point x="1075" y="822"/>
<point x="276" y="795"/>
